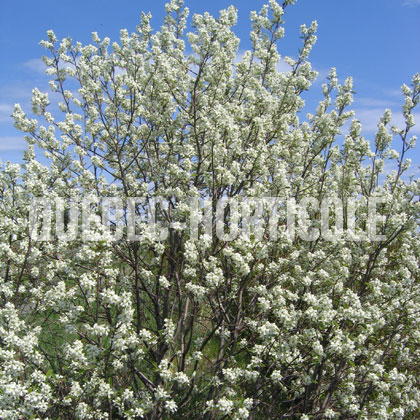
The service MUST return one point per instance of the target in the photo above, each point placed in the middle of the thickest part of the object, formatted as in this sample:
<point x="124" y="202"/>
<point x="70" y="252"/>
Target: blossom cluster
<point x="204" y="322"/>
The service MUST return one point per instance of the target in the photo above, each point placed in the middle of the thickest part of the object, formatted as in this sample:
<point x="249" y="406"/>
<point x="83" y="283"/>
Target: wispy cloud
<point x="17" y="90"/>
<point x="38" y="68"/>
<point x="369" y="110"/>
<point x="283" y="67"/>
<point x="12" y="143"/>
<point x="391" y="165"/>
<point x="36" y="65"/>
<point x="394" y="93"/>
<point x="322" y="76"/>
<point x="369" y="118"/>
<point x="375" y="102"/>
<point x="411" y="3"/>
<point x="414" y="171"/>
<point x="5" y="113"/>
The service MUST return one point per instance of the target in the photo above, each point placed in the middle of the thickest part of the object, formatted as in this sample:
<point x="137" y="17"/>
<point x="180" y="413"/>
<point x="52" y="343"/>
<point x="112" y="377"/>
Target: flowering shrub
<point x="201" y="324"/>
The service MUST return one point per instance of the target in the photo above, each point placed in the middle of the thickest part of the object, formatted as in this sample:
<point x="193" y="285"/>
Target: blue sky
<point x="374" y="41"/>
